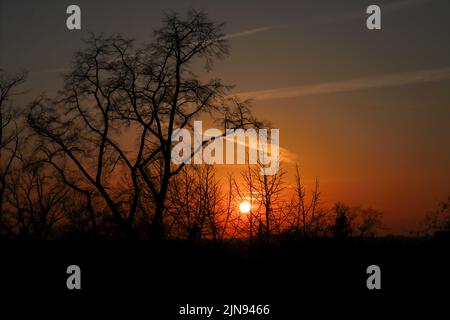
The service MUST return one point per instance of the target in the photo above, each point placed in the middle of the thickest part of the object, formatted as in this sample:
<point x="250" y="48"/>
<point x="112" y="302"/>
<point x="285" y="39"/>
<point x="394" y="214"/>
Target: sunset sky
<point x="365" y="111"/>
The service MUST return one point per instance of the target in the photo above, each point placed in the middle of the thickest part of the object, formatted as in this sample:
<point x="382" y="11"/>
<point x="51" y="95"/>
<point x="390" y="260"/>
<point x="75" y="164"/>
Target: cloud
<point x="406" y="3"/>
<point x="375" y="82"/>
<point x="356" y="15"/>
<point x="285" y="155"/>
<point x="335" y="18"/>
<point x="250" y="32"/>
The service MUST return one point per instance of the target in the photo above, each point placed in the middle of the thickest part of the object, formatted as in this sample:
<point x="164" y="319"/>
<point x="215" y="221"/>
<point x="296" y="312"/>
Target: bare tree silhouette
<point x="9" y="130"/>
<point x="342" y="227"/>
<point x="355" y="221"/>
<point x="369" y="222"/>
<point x="147" y="92"/>
<point x="308" y="216"/>
<point x="437" y="222"/>
<point x="264" y="193"/>
<point x="37" y="199"/>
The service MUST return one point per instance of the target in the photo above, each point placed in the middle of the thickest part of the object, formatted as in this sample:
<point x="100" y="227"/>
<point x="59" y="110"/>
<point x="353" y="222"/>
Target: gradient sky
<point x="365" y="111"/>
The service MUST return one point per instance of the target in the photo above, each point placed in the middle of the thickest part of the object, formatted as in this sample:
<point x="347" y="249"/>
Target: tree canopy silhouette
<point x="9" y="129"/>
<point x="116" y="89"/>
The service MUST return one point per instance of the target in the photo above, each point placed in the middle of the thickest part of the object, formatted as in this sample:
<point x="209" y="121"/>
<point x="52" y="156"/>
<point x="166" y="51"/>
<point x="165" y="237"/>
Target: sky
<point x="367" y="112"/>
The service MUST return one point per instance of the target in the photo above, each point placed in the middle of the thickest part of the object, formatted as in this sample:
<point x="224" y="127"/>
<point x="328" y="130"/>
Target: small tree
<point x="369" y="222"/>
<point x="342" y="227"/>
<point x="36" y="200"/>
<point x="9" y="132"/>
<point x="308" y="215"/>
<point x="438" y="221"/>
<point x="265" y="192"/>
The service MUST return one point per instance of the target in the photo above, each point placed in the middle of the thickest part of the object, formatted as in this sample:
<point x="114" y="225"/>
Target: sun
<point x="245" y="207"/>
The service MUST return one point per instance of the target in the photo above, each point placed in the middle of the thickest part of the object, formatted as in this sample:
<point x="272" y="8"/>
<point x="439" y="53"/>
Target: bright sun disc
<point x="245" y="207"/>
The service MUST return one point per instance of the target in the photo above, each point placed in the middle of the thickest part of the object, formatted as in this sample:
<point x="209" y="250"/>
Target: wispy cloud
<point x="335" y="18"/>
<point x="407" y="3"/>
<point x="374" y="82"/>
<point x="250" y="32"/>
<point x="286" y="156"/>
<point x="356" y="15"/>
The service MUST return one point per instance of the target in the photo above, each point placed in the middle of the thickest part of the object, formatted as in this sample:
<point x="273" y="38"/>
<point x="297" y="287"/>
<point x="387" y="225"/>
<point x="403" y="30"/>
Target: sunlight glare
<point x="245" y="207"/>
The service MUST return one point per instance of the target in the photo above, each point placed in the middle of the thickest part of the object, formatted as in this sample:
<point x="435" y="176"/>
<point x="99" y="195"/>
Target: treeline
<point x="202" y="206"/>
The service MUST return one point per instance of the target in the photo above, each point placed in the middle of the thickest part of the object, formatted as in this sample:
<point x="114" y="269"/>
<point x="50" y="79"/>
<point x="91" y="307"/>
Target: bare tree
<point x="247" y="192"/>
<point x="369" y="222"/>
<point x="265" y="192"/>
<point x="308" y="216"/>
<point x="438" y="221"/>
<point x="229" y="212"/>
<point x="196" y="204"/>
<point x="146" y="93"/>
<point x="343" y="220"/>
<point x="9" y="130"/>
<point x="37" y="201"/>
<point x="355" y="221"/>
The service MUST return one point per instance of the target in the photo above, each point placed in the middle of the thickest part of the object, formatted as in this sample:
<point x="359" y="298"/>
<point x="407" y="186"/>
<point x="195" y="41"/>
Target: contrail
<point x="376" y="82"/>
<point x="250" y="32"/>
<point x="329" y="19"/>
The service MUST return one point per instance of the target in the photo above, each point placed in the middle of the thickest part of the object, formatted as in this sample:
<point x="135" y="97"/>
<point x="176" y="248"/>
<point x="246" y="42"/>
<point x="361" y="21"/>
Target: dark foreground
<point x="295" y="278"/>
